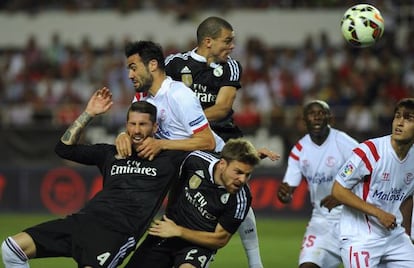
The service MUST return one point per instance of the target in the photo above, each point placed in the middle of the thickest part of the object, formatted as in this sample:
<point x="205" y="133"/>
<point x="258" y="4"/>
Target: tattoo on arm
<point x="72" y="134"/>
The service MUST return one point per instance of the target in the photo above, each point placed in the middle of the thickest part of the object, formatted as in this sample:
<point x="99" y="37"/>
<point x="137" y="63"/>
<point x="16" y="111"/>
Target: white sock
<point x="13" y="255"/>
<point x="250" y="240"/>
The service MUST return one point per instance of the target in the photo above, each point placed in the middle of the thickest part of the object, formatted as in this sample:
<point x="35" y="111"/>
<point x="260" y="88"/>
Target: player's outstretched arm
<point x="167" y="228"/>
<point x="266" y="153"/>
<point x="100" y="102"/>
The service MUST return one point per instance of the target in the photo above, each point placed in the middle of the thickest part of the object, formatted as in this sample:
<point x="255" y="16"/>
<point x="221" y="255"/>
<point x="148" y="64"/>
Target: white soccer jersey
<point x="375" y="174"/>
<point x="179" y="113"/>
<point x="319" y="164"/>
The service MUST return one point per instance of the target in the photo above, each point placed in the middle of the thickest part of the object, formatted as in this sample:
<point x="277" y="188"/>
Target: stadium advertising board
<point x="65" y="189"/>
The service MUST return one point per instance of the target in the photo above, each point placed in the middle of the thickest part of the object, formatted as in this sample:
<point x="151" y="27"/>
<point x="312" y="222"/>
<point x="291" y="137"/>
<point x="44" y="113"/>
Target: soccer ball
<point x="362" y="25"/>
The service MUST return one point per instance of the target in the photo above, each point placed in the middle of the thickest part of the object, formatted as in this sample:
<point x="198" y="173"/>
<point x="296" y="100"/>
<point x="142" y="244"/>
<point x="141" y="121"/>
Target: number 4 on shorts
<point x="103" y="257"/>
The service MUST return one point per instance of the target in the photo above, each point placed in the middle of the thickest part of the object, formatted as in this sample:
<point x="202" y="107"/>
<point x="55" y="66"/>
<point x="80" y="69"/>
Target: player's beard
<point x="146" y="85"/>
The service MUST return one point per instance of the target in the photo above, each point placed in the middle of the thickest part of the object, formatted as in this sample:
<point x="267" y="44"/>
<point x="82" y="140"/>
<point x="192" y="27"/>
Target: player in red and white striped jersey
<point x="317" y="157"/>
<point x="373" y="184"/>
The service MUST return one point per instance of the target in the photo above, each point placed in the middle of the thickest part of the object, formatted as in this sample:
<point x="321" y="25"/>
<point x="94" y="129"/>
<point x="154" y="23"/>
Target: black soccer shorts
<point x="82" y="237"/>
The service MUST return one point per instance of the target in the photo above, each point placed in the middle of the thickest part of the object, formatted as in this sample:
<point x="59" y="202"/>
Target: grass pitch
<point x="280" y="241"/>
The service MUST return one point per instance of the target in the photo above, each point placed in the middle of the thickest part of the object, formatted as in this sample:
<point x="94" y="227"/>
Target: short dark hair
<point x="143" y="107"/>
<point x="211" y="27"/>
<point x="147" y="50"/>
<point x="407" y="103"/>
<point x="321" y="103"/>
<point x="240" y="150"/>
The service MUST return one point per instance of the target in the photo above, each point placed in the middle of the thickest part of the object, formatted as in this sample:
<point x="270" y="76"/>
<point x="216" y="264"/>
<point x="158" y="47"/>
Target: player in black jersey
<point x="108" y="227"/>
<point x="205" y="208"/>
<point x="214" y="77"/>
<point x="211" y="73"/>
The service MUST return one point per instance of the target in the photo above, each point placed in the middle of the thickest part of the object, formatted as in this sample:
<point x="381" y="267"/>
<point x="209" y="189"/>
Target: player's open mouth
<point x="137" y="139"/>
<point x="397" y="131"/>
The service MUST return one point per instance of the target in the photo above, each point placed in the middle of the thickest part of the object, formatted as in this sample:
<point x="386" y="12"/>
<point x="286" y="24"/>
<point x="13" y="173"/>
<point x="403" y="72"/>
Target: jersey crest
<point x="186" y="76"/>
<point x="224" y="198"/>
<point x="194" y="182"/>
<point x="218" y="71"/>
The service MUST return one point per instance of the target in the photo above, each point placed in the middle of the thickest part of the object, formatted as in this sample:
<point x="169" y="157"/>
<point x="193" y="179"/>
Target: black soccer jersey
<point x="206" y="81"/>
<point x="133" y="188"/>
<point x="199" y="204"/>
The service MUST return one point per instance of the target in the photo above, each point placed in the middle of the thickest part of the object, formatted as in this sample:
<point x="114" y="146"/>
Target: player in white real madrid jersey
<point x="372" y="184"/>
<point x="206" y="207"/>
<point x="317" y="158"/>
<point x="214" y="76"/>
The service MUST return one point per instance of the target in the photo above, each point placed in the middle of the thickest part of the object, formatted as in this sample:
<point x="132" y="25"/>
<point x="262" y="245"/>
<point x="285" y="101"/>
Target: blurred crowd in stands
<point x="49" y="86"/>
<point x="179" y="6"/>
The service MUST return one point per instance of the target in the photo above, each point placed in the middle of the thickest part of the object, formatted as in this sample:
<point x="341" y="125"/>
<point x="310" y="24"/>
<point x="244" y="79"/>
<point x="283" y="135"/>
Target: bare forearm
<point x="190" y="144"/>
<point x="216" y="113"/>
<point x="348" y="198"/>
<point x="205" y="239"/>
<point x="72" y="134"/>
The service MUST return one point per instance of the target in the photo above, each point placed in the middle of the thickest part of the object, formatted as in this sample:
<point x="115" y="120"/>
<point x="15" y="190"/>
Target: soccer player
<point x="109" y="226"/>
<point x="317" y="158"/>
<point x="211" y="73"/>
<point x="214" y="77"/>
<point x="372" y="184"/>
<point x="206" y="207"/>
<point x="182" y="124"/>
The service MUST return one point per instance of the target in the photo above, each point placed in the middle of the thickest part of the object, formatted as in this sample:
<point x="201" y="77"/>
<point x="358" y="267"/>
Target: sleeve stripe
<point x="365" y="189"/>
<point x="234" y="70"/>
<point x="298" y="146"/>
<point x="373" y="149"/>
<point x="241" y="204"/>
<point x="364" y="158"/>
<point x="200" y="128"/>
<point x="177" y="55"/>
<point x="294" y="156"/>
<point x="204" y="155"/>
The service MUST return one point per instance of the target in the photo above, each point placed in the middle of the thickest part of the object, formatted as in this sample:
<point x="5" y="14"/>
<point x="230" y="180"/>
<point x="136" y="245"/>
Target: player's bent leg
<point x="250" y="240"/>
<point x="14" y="255"/>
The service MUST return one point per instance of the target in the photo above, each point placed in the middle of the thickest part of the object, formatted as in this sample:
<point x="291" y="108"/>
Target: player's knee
<point x="12" y="254"/>
<point x="186" y="265"/>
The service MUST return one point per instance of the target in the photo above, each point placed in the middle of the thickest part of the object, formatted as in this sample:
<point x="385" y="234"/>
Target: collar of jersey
<point x="200" y="58"/>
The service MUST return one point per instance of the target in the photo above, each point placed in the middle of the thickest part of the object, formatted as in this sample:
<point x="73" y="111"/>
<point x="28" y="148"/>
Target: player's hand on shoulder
<point x="284" y="193"/>
<point x="123" y="145"/>
<point x="150" y="148"/>
<point x="329" y="202"/>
